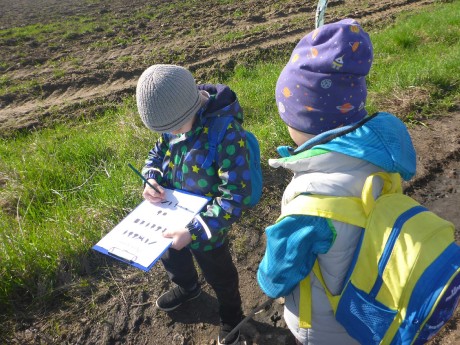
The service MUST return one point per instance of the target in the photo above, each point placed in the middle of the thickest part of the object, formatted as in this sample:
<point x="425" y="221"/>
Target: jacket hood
<point x="381" y="139"/>
<point x="223" y="101"/>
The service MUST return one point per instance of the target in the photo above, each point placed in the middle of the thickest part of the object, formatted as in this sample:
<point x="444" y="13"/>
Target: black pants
<point x="218" y="270"/>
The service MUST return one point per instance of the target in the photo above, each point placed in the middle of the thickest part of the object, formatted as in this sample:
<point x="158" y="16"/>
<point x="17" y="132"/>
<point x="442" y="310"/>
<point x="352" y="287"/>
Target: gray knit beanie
<point x="167" y="97"/>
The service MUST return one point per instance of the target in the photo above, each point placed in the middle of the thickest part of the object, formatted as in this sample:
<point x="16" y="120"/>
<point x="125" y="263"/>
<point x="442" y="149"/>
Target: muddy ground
<point x="68" y="75"/>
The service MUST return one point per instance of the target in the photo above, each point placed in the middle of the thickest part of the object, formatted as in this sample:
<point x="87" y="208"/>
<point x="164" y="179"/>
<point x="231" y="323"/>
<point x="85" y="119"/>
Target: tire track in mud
<point x="85" y="89"/>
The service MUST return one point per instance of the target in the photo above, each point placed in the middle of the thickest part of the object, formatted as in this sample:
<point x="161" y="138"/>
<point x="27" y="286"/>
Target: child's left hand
<point x="181" y="237"/>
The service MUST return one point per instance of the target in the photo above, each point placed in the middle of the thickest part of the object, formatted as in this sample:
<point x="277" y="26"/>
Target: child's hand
<point x="152" y="195"/>
<point x="181" y="237"/>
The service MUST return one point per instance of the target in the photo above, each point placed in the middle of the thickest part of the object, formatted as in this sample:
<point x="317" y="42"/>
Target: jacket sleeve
<point x="234" y="188"/>
<point x="153" y="164"/>
<point x="293" y="245"/>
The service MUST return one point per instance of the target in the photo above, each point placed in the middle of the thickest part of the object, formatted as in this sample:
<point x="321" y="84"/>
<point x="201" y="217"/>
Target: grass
<point x="419" y="53"/>
<point x="255" y="89"/>
<point x="63" y="188"/>
<point x="8" y="87"/>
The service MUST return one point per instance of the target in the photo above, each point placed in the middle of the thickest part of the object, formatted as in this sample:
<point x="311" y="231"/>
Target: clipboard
<point x="137" y="240"/>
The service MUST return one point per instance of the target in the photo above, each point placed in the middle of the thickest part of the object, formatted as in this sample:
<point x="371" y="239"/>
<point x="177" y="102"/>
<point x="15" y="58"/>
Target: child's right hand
<point x="152" y="195"/>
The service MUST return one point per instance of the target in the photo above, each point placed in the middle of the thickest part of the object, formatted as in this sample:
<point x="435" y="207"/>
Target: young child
<point x="321" y="95"/>
<point x="169" y="102"/>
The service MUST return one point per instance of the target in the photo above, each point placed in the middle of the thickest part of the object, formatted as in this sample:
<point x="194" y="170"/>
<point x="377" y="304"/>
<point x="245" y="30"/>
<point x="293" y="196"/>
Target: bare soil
<point x="69" y="76"/>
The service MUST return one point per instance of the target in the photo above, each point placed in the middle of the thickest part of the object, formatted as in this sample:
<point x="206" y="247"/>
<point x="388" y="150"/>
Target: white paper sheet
<point x="138" y="239"/>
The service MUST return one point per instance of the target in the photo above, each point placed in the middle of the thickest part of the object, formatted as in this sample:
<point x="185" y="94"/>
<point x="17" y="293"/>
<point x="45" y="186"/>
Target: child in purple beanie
<point x="321" y="95"/>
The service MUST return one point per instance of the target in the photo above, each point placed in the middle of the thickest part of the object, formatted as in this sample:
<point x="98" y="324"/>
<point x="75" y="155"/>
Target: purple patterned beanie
<point x="323" y="86"/>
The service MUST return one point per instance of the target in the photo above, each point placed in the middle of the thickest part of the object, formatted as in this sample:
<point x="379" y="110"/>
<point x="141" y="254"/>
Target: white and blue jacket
<point x="336" y="163"/>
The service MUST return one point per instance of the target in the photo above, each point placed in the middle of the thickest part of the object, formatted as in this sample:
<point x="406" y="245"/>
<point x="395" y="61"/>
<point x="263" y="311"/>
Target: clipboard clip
<point x="122" y="254"/>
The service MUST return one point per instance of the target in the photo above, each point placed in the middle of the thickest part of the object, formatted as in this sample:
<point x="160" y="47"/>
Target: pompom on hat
<point x="323" y="86"/>
<point x="167" y="97"/>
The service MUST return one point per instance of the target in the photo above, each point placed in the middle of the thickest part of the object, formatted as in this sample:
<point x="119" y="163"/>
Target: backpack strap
<point x="391" y="185"/>
<point x="305" y="303"/>
<point x="344" y="209"/>
<point x="217" y="126"/>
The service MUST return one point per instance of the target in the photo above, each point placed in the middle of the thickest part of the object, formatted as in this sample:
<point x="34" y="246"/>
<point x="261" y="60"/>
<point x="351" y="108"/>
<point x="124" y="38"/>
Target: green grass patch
<point x="255" y="88"/>
<point x="63" y="188"/>
<point x="417" y="60"/>
<point x="32" y="86"/>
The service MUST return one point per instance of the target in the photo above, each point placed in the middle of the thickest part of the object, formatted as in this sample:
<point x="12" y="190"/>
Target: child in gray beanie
<point x="321" y="95"/>
<point x="170" y="103"/>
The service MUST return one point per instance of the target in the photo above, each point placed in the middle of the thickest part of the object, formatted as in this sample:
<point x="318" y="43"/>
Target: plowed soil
<point x="68" y="74"/>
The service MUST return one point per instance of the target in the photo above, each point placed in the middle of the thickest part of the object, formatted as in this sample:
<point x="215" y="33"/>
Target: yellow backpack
<point x="404" y="282"/>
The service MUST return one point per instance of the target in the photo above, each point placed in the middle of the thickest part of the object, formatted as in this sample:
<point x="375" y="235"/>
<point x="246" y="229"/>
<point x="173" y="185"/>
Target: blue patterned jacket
<point x="175" y="162"/>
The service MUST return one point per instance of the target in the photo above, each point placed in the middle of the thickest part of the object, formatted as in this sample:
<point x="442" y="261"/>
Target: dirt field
<point x="66" y="75"/>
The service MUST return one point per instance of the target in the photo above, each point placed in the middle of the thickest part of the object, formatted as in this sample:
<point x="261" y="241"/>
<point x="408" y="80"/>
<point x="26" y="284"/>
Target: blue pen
<point x="144" y="179"/>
